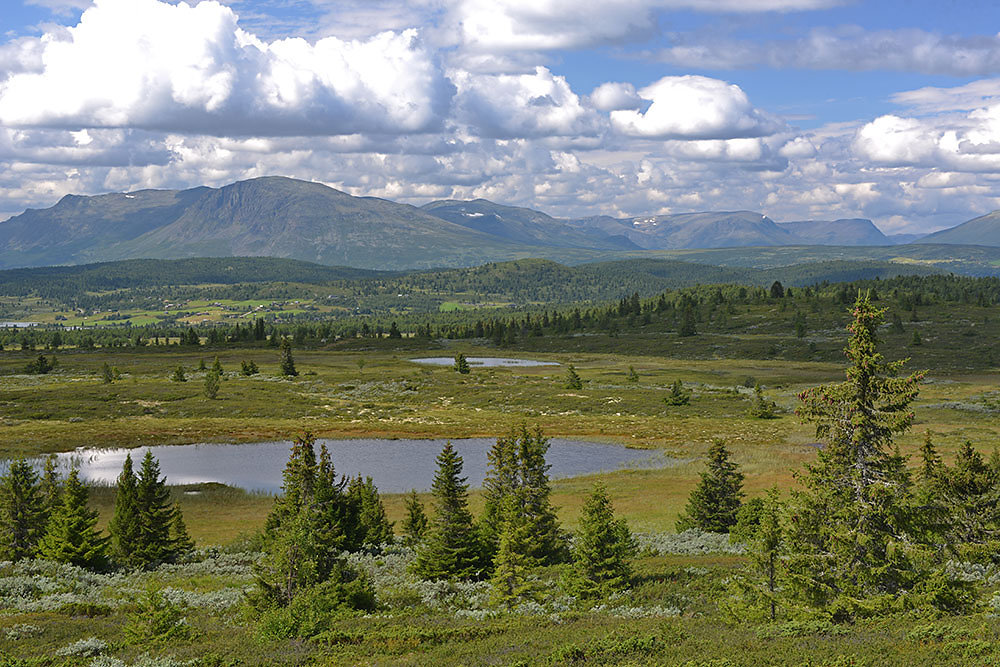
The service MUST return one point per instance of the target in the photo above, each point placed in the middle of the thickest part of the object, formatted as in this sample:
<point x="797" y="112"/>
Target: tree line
<point x="47" y="516"/>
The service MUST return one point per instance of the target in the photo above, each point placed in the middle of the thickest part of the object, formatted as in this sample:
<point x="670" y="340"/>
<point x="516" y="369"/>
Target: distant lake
<point x="17" y="325"/>
<point x="484" y="361"/>
<point x="395" y="465"/>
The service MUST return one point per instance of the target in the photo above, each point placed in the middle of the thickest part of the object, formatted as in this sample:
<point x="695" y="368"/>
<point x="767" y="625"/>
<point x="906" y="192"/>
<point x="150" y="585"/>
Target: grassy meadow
<point x="673" y="614"/>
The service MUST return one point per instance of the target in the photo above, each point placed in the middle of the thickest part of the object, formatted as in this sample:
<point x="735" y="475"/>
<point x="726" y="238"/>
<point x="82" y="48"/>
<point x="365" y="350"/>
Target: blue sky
<point x="800" y="109"/>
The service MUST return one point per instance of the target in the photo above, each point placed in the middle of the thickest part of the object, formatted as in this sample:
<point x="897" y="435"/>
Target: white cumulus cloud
<point x="694" y="107"/>
<point x="153" y="65"/>
<point x="521" y="105"/>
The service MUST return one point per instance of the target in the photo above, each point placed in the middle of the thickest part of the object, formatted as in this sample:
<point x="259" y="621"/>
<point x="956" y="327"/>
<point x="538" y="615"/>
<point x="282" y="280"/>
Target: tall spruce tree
<point x="518" y="471"/>
<point x="852" y="535"/>
<point x="155" y="513"/>
<point x="72" y="535"/>
<point x="124" y="526"/>
<point x="602" y="552"/>
<point x="451" y="550"/>
<point x="22" y="511"/>
<point x="715" y="501"/>
<point x="309" y="526"/>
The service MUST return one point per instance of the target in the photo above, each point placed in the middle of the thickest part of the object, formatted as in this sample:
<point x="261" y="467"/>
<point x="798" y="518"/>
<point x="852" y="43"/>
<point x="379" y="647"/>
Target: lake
<point x="395" y="465"/>
<point x="489" y="362"/>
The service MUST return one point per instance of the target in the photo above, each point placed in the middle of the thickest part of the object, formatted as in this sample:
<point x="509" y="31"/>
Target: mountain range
<point x="284" y="217"/>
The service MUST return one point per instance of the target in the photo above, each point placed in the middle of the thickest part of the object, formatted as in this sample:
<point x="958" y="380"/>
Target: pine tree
<point x="375" y="528"/>
<point x="461" y="364"/>
<point x="602" y="551"/>
<point x="124" y="526"/>
<point x="72" y="535"/>
<point x="22" y="511"/>
<point x="688" y="327"/>
<point x="853" y="525"/>
<point x="632" y="376"/>
<point x="286" y="361"/>
<point x="415" y="523"/>
<point x="217" y="367"/>
<point x="715" y="502"/>
<point x="451" y="550"/>
<point x="678" y="394"/>
<point x="212" y="382"/>
<point x="248" y="368"/>
<point x="155" y="513"/>
<point x="179" y="375"/>
<point x="201" y="365"/>
<point x="107" y="375"/>
<point x="573" y="380"/>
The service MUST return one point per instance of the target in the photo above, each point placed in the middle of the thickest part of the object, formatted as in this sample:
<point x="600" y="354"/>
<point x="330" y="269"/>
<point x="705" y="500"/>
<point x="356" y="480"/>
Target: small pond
<point x="395" y="465"/>
<point x="490" y="362"/>
<point x="17" y="325"/>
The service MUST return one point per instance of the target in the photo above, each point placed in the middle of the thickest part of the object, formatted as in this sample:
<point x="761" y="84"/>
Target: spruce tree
<point x="854" y="521"/>
<point x="451" y="550"/>
<point x="107" y="375"/>
<point x="461" y="364"/>
<point x="518" y="472"/>
<point x="217" y="367"/>
<point x="509" y="582"/>
<point x="375" y="529"/>
<point x="22" y="511"/>
<point x="124" y="525"/>
<point x="51" y="488"/>
<point x="155" y="513"/>
<point x="678" y="394"/>
<point x="602" y="552"/>
<point x="969" y="491"/>
<point x="72" y="535"/>
<point x="715" y="501"/>
<point x="287" y="363"/>
<point x="308" y="527"/>
<point x="766" y="547"/>
<point x="573" y="380"/>
<point x="762" y="407"/>
<point x="415" y="523"/>
<point x="632" y="376"/>
<point x="179" y="375"/>
<point x="181" y="543"/>
<point x="212" y="382"/>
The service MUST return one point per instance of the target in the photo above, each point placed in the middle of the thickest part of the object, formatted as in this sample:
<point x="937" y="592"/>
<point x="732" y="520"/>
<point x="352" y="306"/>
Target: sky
<point x="798" y="109"/>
